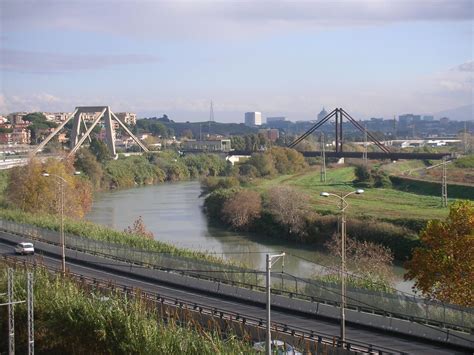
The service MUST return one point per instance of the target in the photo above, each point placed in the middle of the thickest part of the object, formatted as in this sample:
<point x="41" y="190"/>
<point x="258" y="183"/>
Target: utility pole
<point x="465" y="137"/>
<point x="30" y="303"/>
<point x="343" y="269"/>
<point x="364" y="155"/>
<point x="11" y="313"/>
<point x="444" y="185"/>
<point x="268" y="342"/>
<point x="323" y="159"/>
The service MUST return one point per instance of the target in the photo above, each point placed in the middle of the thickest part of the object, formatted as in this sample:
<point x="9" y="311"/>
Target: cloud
<point x="467" y="67"/>
<point x="45" y="62"/>
<point x="164" y="19"/>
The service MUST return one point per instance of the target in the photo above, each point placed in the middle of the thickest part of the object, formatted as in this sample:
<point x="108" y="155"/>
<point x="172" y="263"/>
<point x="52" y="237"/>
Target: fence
<point x="396" y="304"/>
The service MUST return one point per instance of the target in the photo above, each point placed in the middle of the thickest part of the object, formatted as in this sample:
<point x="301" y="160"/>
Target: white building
<point x="128" y="118"/>
<point x="253" y="118"/>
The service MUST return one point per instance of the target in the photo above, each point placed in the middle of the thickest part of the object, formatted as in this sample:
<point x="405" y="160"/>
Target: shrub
<point x="212" y="183"/>
<point x="248" y="170"/>
<point x="287" y="160"/>
<point x="466" y="162"/>
<point x="369" y="260"/>
<point x="263" y="163"/>
<point x="362" y="173"/>
<point x="214" y="202"/>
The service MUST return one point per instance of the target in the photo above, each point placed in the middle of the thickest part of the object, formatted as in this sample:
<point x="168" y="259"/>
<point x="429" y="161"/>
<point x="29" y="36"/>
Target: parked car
<point x="278" y="347"/>
<point x="24" y="248"/>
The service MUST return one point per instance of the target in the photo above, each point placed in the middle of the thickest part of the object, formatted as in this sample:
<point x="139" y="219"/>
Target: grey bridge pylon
<point x="80" y="132"/>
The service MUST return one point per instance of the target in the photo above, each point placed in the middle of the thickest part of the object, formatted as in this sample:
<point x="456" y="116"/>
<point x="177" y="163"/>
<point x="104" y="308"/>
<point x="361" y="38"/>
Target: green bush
<point x="466" y="162"/>
<point x="73" y="319"/>
<point x="214" y="203"/>
<point x="212" y="183"/>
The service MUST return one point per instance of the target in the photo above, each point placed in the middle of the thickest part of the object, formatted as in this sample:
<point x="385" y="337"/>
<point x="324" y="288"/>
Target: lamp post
<point x="61" y="181"/>
<point x="268" y="341"/>
<point x="342" y="206"/>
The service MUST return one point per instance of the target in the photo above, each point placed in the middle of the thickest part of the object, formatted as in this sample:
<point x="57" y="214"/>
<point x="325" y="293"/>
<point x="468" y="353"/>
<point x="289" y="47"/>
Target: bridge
<point x="186" y="284"/>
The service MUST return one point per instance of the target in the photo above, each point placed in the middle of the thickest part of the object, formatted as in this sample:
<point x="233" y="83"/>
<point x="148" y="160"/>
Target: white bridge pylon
<point x="80" y="132"/>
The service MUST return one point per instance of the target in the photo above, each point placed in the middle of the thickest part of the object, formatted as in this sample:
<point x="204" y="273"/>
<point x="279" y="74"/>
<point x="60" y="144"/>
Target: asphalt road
<point x="377" y="338"/>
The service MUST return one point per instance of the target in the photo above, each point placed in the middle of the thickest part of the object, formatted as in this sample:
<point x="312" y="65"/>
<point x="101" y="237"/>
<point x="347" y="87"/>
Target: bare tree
<point x="289" y="207"/>
<point x="368" y="260"/>
<point x="139" y="228"/>
<point x="242" y="208"/>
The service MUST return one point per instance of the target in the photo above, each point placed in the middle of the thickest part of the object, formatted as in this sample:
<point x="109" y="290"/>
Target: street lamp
<point x="268" y="349"/>
<point x="61" y="181"/>
<point x="343" y="205"/>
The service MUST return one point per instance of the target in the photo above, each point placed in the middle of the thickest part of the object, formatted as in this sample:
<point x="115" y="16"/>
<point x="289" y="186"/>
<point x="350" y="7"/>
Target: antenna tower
<point x="211" y="117"/>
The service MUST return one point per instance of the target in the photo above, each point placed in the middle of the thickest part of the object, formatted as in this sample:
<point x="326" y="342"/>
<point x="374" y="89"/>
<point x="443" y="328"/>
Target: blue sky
<point x="373" y="57"/>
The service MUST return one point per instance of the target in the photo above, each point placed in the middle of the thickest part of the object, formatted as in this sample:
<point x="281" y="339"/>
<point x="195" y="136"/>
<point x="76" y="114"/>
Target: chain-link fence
<point x="396" y="304"/>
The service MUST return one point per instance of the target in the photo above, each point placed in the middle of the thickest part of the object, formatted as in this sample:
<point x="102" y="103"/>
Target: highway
<point x="383" y="340"/>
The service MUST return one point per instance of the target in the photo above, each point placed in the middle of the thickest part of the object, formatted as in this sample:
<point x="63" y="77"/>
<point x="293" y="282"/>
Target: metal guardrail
<point x="397" y="305"/>
<point x="156" y="298"/>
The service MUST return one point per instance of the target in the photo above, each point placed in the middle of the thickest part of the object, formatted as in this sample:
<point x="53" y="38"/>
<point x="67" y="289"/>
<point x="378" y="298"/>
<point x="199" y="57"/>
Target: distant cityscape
<point x="14" y="129"/>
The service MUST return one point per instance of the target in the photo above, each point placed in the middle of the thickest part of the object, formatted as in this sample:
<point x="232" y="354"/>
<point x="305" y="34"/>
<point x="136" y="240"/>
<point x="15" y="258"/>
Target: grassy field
<point x="380" y="203"/>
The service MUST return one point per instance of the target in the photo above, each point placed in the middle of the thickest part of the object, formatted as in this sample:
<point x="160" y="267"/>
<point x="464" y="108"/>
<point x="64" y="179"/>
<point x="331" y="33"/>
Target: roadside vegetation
<point x="443" y="265"/>
<point x="71" y="317"/>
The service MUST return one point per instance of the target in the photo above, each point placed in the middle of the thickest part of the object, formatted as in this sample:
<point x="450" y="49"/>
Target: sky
<point x="375" y="58"/>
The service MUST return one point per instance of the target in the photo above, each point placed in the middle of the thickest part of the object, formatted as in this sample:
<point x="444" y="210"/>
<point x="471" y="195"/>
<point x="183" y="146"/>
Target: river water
<point x="173" y="212"/>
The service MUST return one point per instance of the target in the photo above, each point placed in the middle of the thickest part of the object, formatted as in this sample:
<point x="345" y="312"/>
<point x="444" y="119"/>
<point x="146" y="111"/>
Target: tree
<point x="263" y="163"/>
<point x="443" y="266"/>
<point x="287" y="160"/>
<point x="29" y="191"/>
<point x="100" y="150"/>
<point x="39" y="125"/>
<point x="187" y="133"/>
<point x="289" y="207"/>
<point x="242" y="208"/>
<point x="87" y="163"/>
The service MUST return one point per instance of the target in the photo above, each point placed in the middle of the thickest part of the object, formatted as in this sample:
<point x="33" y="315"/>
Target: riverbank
<point x="387" y="216"/>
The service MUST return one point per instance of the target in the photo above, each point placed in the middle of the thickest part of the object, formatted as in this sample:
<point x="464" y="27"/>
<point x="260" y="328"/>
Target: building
<point x="253" y="118"/>
<point x="61" y="116"/>
<point x="271" y="134"/>
<point x="276" y="119"/>
<point x="17" y="136"/>
<point x="16" y="117"/>
<point x="407" y="119"/>
<point x="128" y="118"/>
<point x="218" y="145"/>
<point x="322" y="114"/>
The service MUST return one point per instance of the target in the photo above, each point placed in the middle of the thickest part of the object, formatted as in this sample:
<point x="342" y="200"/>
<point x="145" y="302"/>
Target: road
<point x="328" y="327"/>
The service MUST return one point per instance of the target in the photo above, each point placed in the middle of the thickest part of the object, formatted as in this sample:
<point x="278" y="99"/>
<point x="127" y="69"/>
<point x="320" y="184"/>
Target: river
<point x="173" y="212"/>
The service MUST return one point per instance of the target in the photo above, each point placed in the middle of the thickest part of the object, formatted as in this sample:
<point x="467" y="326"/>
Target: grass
<point x="381" y="203"/>
<point x="102" y="233"/>
<point x="71" y="317"/>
